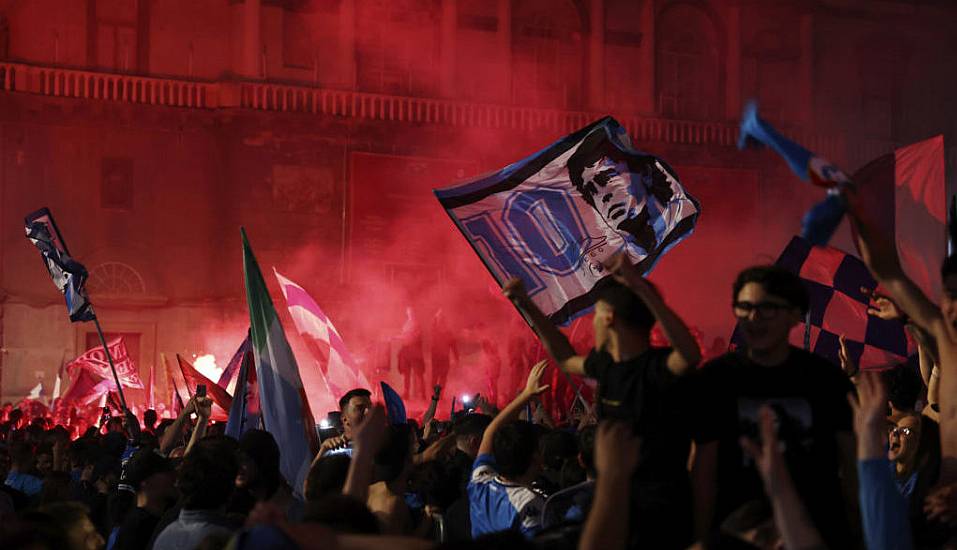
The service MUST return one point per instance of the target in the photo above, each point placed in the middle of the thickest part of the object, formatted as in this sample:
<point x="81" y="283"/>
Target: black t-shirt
<point x="645" y="393"/>
<point x="809" y="396"/>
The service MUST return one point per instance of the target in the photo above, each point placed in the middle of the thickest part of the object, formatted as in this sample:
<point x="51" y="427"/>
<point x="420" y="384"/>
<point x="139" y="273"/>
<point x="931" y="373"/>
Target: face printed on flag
<point x="553" y="218"/>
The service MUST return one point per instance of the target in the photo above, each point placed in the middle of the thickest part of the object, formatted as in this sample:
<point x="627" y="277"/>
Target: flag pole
<point x="109" y="358"/>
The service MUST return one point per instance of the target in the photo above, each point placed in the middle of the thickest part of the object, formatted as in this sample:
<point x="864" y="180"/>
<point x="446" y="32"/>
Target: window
<point x="116" y="184"/>
<point x="547" y="52"/>
<point x="114" y="31"/>
<point x="689" y="81"/>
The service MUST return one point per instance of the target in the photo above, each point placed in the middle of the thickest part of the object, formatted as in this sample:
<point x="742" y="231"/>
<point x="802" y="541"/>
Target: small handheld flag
<point x="394" y="406"/>
<point x="68" y="274"/>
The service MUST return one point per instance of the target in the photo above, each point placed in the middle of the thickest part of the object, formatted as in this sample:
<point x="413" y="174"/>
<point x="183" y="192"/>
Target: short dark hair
<point x="776" y="281"/>
<point x="627" y="306"/>
<point x="514" y="446"/>
<point x="358" y="392"/>
<point x="949" y="267"/>
<point x="903" y="386"/>
<point x="207" y="475"/>
<point x="471" y="424"/>
<point x="327" y="476"/>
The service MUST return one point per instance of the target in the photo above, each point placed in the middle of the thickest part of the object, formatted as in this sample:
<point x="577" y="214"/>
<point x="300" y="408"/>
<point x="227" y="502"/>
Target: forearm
<point x="933" y="389"/>
<point x="173" y="434"/>
<point x="507" y="415"/>
<point x="430" y="412"/>
<point x="672" y="325"/>
<point x="604" y="528"/>
<point x="198" y="432"/>
<point x="360" y="476"/>
<point x="556" y="344"/>
<point x="792" y="520"/>
<point x="924" y="315"/>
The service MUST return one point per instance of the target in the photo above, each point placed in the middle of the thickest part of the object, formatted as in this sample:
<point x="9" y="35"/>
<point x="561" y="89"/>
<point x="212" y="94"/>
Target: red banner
<point x="95" y="362"/>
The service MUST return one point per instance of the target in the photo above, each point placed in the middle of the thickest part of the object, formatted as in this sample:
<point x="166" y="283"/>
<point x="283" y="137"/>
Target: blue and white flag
<point x="68" y="274"/>
<point x="553" y="218"/>
<point x="822" y="219"/>
<point x="395" y="408"/>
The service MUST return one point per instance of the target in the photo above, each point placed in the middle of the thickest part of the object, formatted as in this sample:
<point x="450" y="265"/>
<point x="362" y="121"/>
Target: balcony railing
<point x="71" y="83"/>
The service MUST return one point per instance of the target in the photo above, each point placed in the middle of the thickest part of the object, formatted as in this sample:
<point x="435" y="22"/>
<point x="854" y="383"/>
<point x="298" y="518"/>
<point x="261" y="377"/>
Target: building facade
<point x="154" y="129"/>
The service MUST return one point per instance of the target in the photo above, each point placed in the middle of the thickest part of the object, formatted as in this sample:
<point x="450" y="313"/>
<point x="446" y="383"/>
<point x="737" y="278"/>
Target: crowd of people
<point x="767" y="446"/>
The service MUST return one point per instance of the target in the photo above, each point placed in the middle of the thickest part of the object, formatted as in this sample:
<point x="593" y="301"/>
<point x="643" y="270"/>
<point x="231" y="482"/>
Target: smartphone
<point x="201" y="390"/>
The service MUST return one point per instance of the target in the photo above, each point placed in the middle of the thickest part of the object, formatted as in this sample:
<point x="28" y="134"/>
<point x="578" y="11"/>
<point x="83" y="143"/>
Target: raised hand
<point x="870" y="420"/>
<point x="767" y="453"/>
<point x="514" y="290"/>
<point x="533" y="386"/>
<point x="623" y="271"/>
<point x="369" y="435"/>
<point x="850" y="368"/>
<point x="204" y="407"/>
<point x="617" y="450"/>
<point x="881" y="306"/>
<point x="437" y="392"/>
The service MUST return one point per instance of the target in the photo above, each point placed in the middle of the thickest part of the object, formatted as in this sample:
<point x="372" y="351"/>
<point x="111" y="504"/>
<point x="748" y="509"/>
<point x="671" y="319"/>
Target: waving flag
<point x="905" y="193"/>
<point x="232" y="368"/>
<point x="244" y="415"/>
<point x="551" y="219"/>
<point x="222" y="401"/>
<point x="822" y="219"/>
<point x="335" y="364"/>
<point x="150" y="389"/>
<point x="834" y="280"/>
<point x="282" y="399"/>
<point x="68" y="274"/>
<point x="394" y="406"/>
<point x="94" y="361"/>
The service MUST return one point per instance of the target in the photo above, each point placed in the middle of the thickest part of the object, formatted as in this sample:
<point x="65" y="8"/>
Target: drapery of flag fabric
<point x="335" y="364"/>
<point x="68" y="274"/>
<point x="222" y="401"/>
<point x="174" y="387"/>
<point x="821" y="221"/>
<point x="904" y="193"/>
<point x="282" y="399"/>
<point x="244" y="415"/>
<point x="834" y="280"/>
<point x="554" y="217"/>
<point x="232" y="368"/>
<point x="395" y="408"/>
<point x="95" y="361"/>
<point x="85" y="388"/>
<point x="151" y="389"/>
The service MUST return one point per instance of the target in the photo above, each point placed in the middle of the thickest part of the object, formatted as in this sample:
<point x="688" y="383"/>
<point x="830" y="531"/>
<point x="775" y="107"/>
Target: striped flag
<point x="335" y="364"/>
<point x="244" y="415"/>
<point x="282" y="398"/>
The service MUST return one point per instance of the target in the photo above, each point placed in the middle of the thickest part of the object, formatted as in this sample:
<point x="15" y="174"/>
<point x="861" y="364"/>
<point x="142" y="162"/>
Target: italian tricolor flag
<point x="285" y="409"/>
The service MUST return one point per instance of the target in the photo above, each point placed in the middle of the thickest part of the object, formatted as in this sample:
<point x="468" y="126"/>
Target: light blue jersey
<point x="497" y="505"/>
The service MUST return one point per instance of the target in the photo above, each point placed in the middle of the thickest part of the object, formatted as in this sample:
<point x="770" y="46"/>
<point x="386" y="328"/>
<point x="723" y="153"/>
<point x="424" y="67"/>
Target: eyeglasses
<point x="764" y="310"/>
<point x="899" y="431"/>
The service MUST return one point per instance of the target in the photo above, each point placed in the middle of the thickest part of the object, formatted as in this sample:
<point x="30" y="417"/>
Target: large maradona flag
<point x="282" y="400"/>
<point x="553" y="218"/>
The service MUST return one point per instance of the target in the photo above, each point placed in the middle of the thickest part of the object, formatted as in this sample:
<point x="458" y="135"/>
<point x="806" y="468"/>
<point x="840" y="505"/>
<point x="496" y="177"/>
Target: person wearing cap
<point x="151" y="477"/>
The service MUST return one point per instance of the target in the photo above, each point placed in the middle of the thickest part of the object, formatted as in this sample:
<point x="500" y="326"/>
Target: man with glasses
<point x="807" y="393"/>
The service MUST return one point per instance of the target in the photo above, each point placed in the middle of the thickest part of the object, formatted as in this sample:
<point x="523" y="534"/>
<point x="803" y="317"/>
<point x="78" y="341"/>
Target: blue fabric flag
<point x="244" y="413"/>
<point x="394" y="406"/>
<point x="230" y="371"/>
<point x="68" y="274"/>
<point x="552" y="219"/>
<point x="822" y="220"/>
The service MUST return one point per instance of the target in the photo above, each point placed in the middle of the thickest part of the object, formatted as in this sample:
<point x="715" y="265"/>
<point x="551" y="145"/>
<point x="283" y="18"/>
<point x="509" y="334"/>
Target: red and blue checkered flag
<point x="838" y="306"/>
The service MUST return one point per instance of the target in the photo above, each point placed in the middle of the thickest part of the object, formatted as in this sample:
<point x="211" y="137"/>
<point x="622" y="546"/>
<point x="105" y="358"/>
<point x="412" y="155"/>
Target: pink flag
<point x="336" y="364"/>
<point x="94" y="361"/>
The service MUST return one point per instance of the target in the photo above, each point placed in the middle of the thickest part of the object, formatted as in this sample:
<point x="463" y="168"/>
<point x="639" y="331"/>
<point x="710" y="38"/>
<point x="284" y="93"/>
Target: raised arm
<point x="556" y="344"/>
<point x="174" y="432"/>
<point x="430" y="413"/>
<point x="533" y="387"/>
<point x="686" y="354"/>
<point x="616" y="457"/>
<point x="204" y="409"/>
<point x="368" y="438"/>
<point x="790" y="515"/>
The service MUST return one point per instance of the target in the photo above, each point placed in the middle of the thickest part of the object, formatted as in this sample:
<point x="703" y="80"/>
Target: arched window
<point x="115" y="280"/>
<point x="547" y="54"/>
<point x="687" y="52"/>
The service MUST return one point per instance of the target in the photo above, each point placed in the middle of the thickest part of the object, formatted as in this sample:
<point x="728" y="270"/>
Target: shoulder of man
<point x="484" y="469"/>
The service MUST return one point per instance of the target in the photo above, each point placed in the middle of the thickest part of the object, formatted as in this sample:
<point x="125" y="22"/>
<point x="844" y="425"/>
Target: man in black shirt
<point x="637" y="384"/>
<point x="152" y="478"/>
<point x="807" y="393"/>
